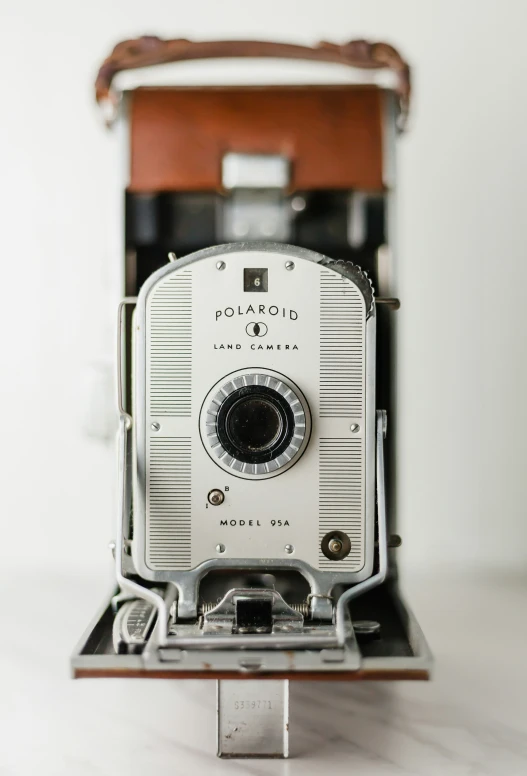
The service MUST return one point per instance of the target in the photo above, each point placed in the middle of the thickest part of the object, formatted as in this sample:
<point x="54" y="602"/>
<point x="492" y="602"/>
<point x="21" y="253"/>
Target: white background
<point x="463" y="269"/>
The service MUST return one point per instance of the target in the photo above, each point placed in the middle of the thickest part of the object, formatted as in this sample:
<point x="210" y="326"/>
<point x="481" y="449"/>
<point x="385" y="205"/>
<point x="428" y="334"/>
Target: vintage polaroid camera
<point x="254" y="430"/>
<point x="256" y="534"/>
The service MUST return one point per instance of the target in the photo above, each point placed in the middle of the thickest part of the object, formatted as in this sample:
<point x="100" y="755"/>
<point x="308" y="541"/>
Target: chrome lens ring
<point x="284" y="450"/>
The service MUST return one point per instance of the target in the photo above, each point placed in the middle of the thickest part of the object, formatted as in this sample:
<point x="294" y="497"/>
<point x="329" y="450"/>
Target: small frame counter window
<point x="255" y="279"/>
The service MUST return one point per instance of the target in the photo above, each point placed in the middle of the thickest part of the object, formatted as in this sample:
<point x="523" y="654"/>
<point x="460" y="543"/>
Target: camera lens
<point x="254" y="424"/>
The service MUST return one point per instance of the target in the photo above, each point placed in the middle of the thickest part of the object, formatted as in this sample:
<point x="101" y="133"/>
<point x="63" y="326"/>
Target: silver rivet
<point x="155" y="426"/>
<point x="220" y="265"/>
<point x="298" y="204"/>
<point x="289" y="549"/>
<point x="290" y="265"/>
<point x="172" y="256"/>
<point x="216" y="497"/>
<point x="220" y="548"/>
<point x="354" y="428"/>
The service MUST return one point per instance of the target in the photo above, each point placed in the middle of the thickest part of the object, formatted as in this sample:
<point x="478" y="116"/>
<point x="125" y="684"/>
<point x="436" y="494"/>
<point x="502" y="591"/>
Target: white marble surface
<point x="470" y="720"/>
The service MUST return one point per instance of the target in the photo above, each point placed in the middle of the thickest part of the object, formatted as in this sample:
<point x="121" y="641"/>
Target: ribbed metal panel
<point x="169" y="503"/>
<point x="170" y="346"/>
<point x="342" y="328"/>
<point x="341" y="499"/>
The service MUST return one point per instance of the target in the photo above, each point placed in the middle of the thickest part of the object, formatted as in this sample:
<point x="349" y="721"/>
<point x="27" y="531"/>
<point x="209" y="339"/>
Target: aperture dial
<point x="255" y="424"/>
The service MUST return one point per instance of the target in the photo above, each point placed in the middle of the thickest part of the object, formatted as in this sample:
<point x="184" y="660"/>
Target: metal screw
<point x="354" y="428"/>
<point x="335" y="545"/>
<point x="220" y="265"/>
<point x="220" y="548"/>
<point x="290" y="265"/>
<point x="298" y="204"/>
<point x="216" y="497"/>
<point x="155" y="426"/>
<point x="172" y="256"/>
<point x="289" y="549"/>
<point x="367" y="628"/>
<point x="111" y="547"/>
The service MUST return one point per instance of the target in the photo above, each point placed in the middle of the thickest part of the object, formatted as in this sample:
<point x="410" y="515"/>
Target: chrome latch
<point x="253" y="610"/>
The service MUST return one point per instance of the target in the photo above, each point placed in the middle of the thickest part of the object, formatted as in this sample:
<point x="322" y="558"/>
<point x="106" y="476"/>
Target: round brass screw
<point x="335" y="545"/>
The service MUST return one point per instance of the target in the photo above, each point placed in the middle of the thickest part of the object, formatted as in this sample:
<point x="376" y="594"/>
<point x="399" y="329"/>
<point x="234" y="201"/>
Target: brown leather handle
<point x="151" y="50"/>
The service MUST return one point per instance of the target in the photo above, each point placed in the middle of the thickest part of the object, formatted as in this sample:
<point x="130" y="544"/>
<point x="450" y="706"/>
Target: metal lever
<point x="124" y="494"/>
<point x="127" y="585"/>
<point x="380" y="576"/>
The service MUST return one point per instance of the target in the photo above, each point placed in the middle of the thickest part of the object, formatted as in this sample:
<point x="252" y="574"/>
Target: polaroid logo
<point x="259" y="309"/>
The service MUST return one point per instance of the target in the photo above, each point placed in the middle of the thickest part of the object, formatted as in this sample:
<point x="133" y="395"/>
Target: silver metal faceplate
<point x="194" y="329"/>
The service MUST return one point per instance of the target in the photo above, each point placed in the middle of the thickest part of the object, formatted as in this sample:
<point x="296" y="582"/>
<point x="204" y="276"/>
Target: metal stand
<point x="253" y="718"/>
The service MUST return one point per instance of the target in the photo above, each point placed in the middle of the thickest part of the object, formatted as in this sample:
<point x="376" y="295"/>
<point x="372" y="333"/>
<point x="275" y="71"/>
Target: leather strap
<point x="150" y="50"/>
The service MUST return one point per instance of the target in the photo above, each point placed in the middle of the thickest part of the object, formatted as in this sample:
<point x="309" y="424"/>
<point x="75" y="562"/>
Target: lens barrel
<point x="255" y="424"/>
